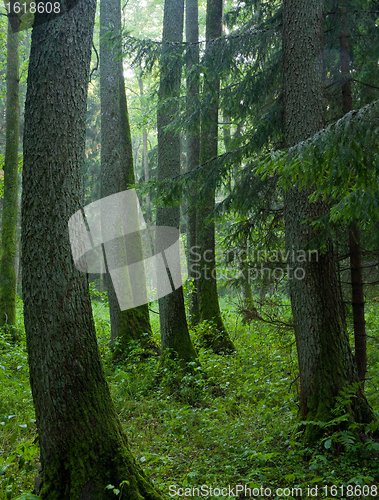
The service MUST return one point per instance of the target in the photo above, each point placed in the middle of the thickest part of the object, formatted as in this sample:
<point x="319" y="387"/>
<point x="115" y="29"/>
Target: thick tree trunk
<point x="117" y="171"/>
<point x="325" y="360"/>
<point x="8" y="276"/>
<point x="174" y="328"/>
<point x="83" y="447"/>
<point x="193" y="150"/>
<point x="358" y="301"/>
<point x="217" y="339"/>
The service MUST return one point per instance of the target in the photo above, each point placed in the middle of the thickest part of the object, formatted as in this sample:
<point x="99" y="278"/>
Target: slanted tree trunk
<point x="217" y="338"/>
<point x="174" y="328"/>
<point x="193" y="150"/>
<point x="83" y="447"/>
<point x="117" y="172"/>
<point x="8" y="276"/>
<point x="358" y="301"/>
<point x="326" y="363"/>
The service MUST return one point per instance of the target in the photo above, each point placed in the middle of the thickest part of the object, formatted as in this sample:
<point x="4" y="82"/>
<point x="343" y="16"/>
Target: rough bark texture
<point x="9" y="219"/>
<point x="325" y="360"/>
<point x="358" y="301"/>
<point x="83" y="447"/>
<point x="193" y="150"/>
<point x="117" y="171"/>
<point x="217" y="338"/>
<point x="174" y="328"/>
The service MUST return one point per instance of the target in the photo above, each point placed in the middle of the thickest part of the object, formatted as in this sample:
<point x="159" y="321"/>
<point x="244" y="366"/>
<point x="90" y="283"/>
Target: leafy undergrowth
<point x="18" y="445"/>
<point x="232" y="422"/>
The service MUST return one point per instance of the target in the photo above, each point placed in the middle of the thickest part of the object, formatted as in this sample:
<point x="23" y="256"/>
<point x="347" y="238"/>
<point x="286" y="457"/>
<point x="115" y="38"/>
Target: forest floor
<point x="233" y="433"/>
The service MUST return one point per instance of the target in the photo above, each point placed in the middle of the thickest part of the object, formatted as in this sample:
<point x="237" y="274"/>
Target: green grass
<point x="233" y="422"/>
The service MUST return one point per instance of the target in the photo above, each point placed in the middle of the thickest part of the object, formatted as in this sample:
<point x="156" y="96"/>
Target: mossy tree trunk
<point x="174" y="328"/>
<point x="193" y="150"/>
<point x="326" y="363"/>
<point x="8" y="278"/>
<point x="82" y="444"/>
<point x="216" y="338"/>
<point x="117" y="171"/>
<point x="358" y="300"/>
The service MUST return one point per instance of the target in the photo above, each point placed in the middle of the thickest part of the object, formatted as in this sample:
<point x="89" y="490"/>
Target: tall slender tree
<point x="83" y="447"/>
<point x="8" y="278"/>
<point x="326" y="364"/>
<point x="145" y="158"/>
<point x="193" y="147"/>
<point x="358" y="301"/>
<point x="216" y="338"/>
<point x="117" y="171"/>
<point x="174" y="328"/>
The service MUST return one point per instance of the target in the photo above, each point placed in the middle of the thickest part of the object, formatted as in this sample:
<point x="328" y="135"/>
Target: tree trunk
<point x="9" y="220"/>
<point x="145" y="159"/>
<point x="83" y="447"/>
<point x="174" y="328"/>
<point x="358" y="301"/>
<point x="217" y="339"/>
<point x="326" y="364"/>
<point x="193" y="150"/>
<point x="117" y="171"/>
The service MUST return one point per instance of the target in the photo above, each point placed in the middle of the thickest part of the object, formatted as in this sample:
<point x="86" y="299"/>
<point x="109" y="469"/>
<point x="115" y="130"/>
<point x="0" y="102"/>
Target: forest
<point x="189" y="249"/>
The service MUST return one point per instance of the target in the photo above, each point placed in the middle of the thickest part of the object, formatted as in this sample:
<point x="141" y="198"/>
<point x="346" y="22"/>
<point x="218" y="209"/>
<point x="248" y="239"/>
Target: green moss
<point x="335" y="390"/>
<point x="212" y="336"/>
<point x="95" y="455"/>
<point x="8" y="229"/>
<point x="215" y="338"/>
<point x="134" y="326"/>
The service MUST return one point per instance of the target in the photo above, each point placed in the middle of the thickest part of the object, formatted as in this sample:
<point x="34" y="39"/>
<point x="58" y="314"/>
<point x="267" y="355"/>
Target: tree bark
<point x="326" y="364"/>
<point x="117" y="171"/>
<point x="8" y="278"/>
<point x="358" y="301"/>
<point x="174" y="328"/>
<point x="145" y="159"/>
<point x="216" y="338"/>
<point x="193" y="150"/>
<point x="82" y="444"/>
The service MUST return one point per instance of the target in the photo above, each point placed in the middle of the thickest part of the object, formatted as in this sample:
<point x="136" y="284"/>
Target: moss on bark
<point x="117" y="171"/>
<point x="9" y="220"/>
<point x="92" y="462"/>
<point x="218" y="338"/>
<point x="174" y="329"/>
<point x="326" y="364"/>
<point x="83" y="447"/>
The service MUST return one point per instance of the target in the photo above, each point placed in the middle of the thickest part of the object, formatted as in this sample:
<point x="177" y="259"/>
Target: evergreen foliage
<point x="231" y="419"/>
